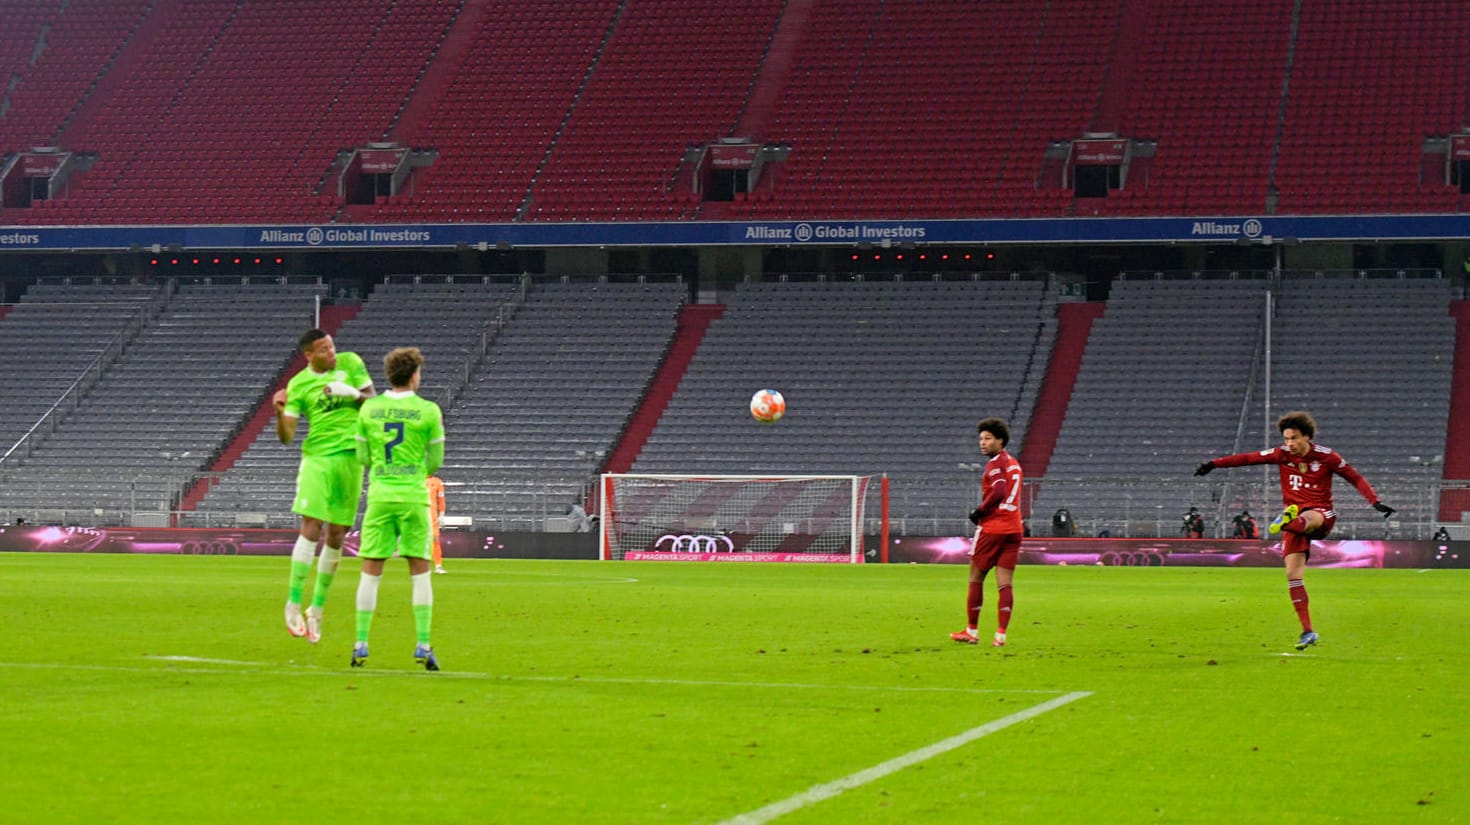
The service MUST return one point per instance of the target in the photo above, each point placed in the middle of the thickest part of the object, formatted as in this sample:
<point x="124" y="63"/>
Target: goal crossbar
<point x="713" y="517"/>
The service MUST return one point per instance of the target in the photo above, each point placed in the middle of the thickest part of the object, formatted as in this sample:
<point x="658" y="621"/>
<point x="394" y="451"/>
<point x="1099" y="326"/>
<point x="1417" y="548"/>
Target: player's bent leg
<point x="1287" y="516"/>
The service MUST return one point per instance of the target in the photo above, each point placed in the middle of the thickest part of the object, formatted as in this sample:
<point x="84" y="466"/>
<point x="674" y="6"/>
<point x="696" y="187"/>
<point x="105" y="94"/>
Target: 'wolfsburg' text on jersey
<point x="398" y="427"/>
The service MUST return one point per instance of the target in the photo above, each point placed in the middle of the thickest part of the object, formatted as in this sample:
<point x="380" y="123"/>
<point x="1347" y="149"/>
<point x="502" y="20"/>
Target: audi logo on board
<point x="686" y="543"/>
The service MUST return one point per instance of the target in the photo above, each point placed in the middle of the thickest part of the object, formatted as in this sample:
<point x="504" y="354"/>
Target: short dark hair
<point x="996" y="427"/>
<point x="1297" y="420"/>
<point x="401" y="364"/>
<point x="310" y="337"/>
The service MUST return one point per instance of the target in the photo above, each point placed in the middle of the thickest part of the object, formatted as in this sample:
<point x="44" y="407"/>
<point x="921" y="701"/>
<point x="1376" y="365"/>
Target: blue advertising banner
<point x="158" y="239"/>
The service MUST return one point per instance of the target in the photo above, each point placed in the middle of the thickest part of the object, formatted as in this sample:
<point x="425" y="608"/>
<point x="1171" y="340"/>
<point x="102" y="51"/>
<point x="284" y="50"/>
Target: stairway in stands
<point x="1074" y="325"/>
<point x="442" y="69"/>
<point x="694" y="320"/>
<point x="1454" y="503"/>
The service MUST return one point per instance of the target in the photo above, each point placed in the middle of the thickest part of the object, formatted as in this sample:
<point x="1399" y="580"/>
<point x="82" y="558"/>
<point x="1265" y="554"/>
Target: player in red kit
<point x="1306" y="494"/>
<point x="998" y="532"/>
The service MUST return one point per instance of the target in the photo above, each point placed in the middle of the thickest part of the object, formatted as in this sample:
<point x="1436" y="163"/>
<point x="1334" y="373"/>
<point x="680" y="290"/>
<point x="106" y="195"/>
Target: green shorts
<point x="328" y="487"/>
<point x="395" y="525"/>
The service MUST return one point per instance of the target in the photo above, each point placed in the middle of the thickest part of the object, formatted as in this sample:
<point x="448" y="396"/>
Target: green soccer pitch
<point x="166" y="690"/>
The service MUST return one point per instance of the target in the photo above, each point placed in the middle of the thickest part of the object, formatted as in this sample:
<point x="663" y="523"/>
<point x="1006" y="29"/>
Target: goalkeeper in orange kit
<point x="436" y="519"/>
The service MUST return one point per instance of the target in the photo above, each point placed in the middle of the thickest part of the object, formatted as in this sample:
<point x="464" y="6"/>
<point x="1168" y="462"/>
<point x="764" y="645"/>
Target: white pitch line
<point x="818" y="793"/>
<point x="203" y="660"/>
<point x="313" y="670"/>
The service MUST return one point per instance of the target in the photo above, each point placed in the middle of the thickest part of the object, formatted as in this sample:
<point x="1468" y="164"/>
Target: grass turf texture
<point x="612" y="692"/>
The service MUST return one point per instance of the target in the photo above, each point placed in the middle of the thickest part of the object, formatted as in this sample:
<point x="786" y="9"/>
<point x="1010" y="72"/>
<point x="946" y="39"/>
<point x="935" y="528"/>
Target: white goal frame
<point x="709" y="541"/>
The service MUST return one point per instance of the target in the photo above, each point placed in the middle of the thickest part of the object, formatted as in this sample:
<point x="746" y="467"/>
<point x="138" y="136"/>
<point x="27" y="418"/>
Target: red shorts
<point x="1329" y="518"/>
<point x="995" y="550"/>
<point x="1302" y="543"/>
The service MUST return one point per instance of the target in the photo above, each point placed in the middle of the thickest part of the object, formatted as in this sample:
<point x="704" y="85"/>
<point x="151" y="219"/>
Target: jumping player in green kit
<point x="400" y="439"/>
<point x="329" y="482"/>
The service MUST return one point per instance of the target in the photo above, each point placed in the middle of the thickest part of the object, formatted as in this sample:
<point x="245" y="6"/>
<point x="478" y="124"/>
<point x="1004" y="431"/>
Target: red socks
<point x="972" y="603"/>
<point x="1003" y="610"/>
<point x="1298" y="590"/>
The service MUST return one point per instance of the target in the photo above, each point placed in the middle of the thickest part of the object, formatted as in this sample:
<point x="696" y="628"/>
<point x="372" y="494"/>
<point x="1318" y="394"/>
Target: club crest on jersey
<point x="1316" y="466"/>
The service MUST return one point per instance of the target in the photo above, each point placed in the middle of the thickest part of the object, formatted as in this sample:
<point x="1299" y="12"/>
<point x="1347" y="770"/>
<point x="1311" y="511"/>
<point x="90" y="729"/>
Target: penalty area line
<point x="818" y="793"/>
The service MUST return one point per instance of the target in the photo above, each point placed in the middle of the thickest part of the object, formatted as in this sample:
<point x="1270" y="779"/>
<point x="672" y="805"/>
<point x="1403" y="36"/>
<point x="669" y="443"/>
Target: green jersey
<point x="400" y="436"/>
<point x="333" y="419"/>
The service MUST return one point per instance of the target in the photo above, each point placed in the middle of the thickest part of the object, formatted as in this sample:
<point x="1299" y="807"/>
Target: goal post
<point x="810" y="518"/>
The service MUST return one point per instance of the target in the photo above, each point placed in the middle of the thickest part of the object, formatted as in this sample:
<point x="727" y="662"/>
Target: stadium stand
<point x="878" y="377"/>
<point x="59" y="339"/>
<point x="864" y="146"/>
<point x="451" y="321"/>
<point x="1175" y="96"/>
<point x="500" y="111"/>
<point x="236" y="112"/>
<point x="590" y="110"/>
<point x="1174" y="374"/>
<point x="57" y="51"/>
<point x="553" y="395"/>
<point x="162" y="410"/>
<point x="242" y="112"/>
<point x="1162" y="386"/>
<point x="1370" y="81"/>
<point x="1372" y="360"/>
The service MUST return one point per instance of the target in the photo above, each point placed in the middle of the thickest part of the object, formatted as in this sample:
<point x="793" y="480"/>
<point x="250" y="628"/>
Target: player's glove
<point x="975" y="516"/>
<point x="337" y="388"/>
<point x="1204" y="469"/>
<point x="1384" y="509"/>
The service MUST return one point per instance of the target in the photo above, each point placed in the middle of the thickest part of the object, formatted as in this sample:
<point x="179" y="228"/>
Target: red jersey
<point x="1000" y="512"/>
<point x="1306" y="481"/>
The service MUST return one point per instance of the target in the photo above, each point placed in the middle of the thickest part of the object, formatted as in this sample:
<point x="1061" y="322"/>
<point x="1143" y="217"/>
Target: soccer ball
<point x="767" y="406"/>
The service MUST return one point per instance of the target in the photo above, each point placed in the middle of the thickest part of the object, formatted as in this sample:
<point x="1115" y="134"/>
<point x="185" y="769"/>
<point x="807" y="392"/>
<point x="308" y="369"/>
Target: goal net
<point x="736" y="518"/>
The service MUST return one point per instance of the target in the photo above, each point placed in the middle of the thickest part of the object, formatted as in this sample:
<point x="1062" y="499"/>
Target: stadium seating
<point x="59" y="339"/>
<point x="1174" y="374"/>
<point x="1371" y="359"/>
<point x="1370" y="82"/>
<point x="158" y="414"/>
<point x="451" y="321"/>
<point x="879" y="377"/>
<point x="666" y="78"/>
<point x="552" y="397"/>
<point x="234" y="113"/>
<point x="1161" y="388"/>
<point x="500" y="111"/>
<point x="583" y="110"/>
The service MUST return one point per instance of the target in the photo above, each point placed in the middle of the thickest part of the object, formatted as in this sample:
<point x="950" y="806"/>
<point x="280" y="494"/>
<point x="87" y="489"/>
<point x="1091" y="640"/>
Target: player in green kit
<point x="400" y="438"/>
<point x="329" y="482"/>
